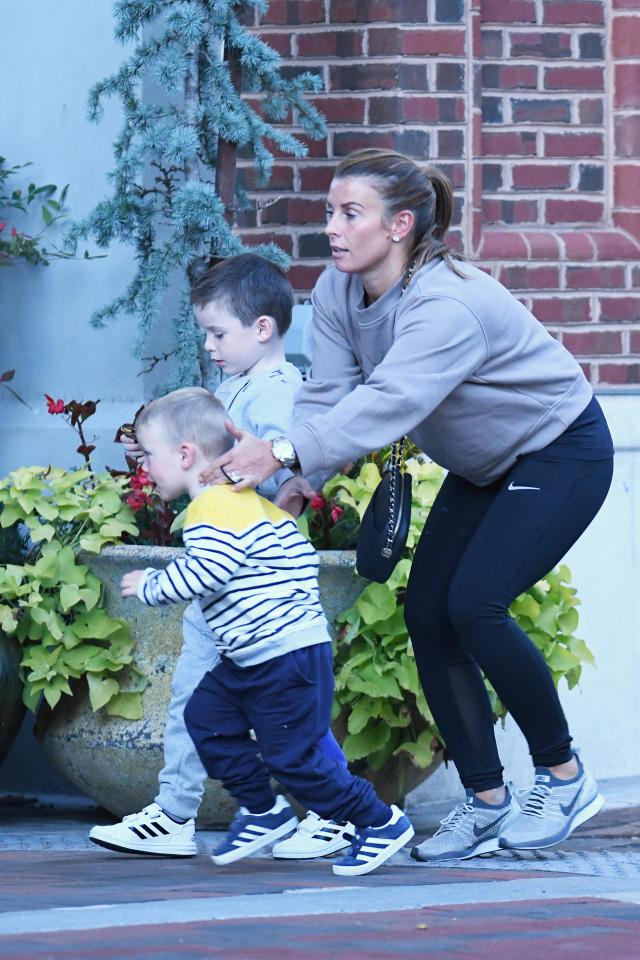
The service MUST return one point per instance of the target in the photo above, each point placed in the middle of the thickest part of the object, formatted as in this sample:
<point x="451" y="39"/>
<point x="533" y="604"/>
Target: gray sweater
<point x="459" y="365"/>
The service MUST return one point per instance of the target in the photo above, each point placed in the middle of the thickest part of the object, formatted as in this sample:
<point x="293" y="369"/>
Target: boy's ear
<point x="266" y="327"/>
<point x="187" y="455"/>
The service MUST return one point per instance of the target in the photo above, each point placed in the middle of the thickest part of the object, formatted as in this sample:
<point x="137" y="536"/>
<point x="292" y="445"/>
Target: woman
<point x="409" y="340"/>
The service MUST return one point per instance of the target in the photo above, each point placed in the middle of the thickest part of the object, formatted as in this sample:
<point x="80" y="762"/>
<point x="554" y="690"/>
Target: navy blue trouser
<point x="287" y="703"/>
<point x="481" y="548"/>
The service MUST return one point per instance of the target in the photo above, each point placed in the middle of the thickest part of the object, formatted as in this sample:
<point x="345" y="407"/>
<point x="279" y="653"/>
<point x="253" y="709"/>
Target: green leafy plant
<point x="49" y="601"/>
<point x="15" y="244"/>
<point x="380" y="712"/>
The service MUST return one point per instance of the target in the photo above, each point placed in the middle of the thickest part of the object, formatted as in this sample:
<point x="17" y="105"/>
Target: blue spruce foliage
<point x="163" y="200"/>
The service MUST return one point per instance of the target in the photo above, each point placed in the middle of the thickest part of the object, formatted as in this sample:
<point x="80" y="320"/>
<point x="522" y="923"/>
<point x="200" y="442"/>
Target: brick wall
<point x="531" y="107"/>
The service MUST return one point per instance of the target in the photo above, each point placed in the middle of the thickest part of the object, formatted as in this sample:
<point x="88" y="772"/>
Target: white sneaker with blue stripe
<point x="315" y="837"/>
<point x="251" y="832"/>
<point x="552" y="810"/>
<point x="372" y="846"/>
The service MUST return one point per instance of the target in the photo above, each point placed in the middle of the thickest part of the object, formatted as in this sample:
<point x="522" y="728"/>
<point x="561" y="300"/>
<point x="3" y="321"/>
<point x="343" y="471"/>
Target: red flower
<point x="138" y="500"/>
<point x="336" y="513"/>
<point x="54" y="406"/>
<point x="14" y="232"/>
<point x="2" y="226"/>
<point x="318" y="502"/>
<point x="140" y="480"/>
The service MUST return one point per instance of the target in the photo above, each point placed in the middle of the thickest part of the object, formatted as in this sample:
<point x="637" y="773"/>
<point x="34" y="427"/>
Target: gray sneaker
<point x="553" y="809"/>
<point x="470" y="829"/>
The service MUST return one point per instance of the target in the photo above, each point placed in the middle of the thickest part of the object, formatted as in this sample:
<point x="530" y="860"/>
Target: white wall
<point x="51" y="55"/>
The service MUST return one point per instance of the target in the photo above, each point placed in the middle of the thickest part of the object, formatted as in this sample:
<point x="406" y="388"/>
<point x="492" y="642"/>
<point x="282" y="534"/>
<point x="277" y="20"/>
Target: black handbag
<point x="385" y="525"/>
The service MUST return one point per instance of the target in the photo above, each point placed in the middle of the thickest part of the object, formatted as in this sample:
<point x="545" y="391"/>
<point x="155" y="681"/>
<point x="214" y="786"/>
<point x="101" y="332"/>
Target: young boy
<point x="243" y="306"/>
<point x="255" y="577"/>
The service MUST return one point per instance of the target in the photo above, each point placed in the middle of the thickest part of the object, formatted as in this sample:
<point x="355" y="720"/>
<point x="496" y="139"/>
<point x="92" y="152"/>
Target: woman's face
<point x="359" y="235"/>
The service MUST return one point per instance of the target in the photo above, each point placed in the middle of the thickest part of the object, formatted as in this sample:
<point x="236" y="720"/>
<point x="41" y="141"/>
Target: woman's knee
<point x="469" y="609"/>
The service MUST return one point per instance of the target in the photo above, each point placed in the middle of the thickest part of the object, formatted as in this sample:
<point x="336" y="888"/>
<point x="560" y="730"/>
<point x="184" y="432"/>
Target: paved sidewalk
<point x="62" y="897"/>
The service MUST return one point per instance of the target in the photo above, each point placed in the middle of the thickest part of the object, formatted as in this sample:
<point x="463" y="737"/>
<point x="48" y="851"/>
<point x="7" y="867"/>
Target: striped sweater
<point x="253" y="573"/>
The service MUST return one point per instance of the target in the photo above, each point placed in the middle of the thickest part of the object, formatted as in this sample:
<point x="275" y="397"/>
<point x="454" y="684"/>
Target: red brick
<point x="363" y="76"/>
<point x="634" y="339"/>
<point x="304" y="276"/>
<point x="282" y="240"/>
<point x="574" y="145"/>
<point x="627" y="85"/>
<point x="451" y="143"/>
<point x="298" y="210"/>
<point x="516" y="11"/>
<point x="626" y="4"/>
<point x="573" y="11"/>
<point x="510" y="211"/>
<point x="619" y="309"/>
<point x="591" y="110"/>
<point x="586" y="369"/>
<point x="628" y="220"/>
<point x="545" y="46"/>
<point x="341" y="109"/>
<point x="538" y="176"/>
<point x="593" y="342"/>
<point x="627" y="136"/>
<point x="561" y="310"/>
<point x="618" y="374"/>
<point x="574" y="211"/>
<point x="542" y="110"/>
<point x="613" y="245"/>
<point x="345" y="142"/>
<point x="433" y="43"/>
<point x="316" y="178"/>
<point x="530" y="278"/>
<point x="574" y="78"/>
<point x="334" y="43"/>
<point x="509" y="77"/>
<point x="625" y="37"/>
<point x="278" y="41"/>
<point x="626" y="185"/>
<point x="503" y="245"/>
<point x="292" y="12"/>
<point x="578" y="246"/>
<point x="595" y="278"/>
<point x="385" y="110"/>
<point x="372" y="11"/>
<point x="500" y="144"/>
<point x="543" y="244"/>
<point x="281" y="178"/>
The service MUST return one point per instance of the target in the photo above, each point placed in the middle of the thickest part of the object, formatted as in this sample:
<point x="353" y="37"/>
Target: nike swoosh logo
<point x="514" y="486"/>
<point x="489" y="826"/>
<point x="567" y="810"/>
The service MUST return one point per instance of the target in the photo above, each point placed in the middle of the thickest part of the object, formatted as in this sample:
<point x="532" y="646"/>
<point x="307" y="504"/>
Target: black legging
<point x="481" y="547"/>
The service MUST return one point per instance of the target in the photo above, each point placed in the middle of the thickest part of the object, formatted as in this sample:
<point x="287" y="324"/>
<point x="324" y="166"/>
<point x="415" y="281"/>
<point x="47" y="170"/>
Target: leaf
<point x="101" y="690"/>
<point x="127" y="705"/>
<point x="361" y="744"/>
<point x="421" y="752"/>
<point x="376" y="603"/>
<point x="568" y="621"/>
<point x="69" y="596"/>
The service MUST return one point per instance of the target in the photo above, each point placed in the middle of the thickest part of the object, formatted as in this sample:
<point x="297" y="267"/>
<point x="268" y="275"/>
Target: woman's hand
<point x="246" y="465"/>
<point x="292" y="495"/>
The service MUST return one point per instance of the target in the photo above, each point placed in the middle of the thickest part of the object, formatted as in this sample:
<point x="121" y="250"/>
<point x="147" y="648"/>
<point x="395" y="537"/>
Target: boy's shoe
<point x="472" y="828"/>
<point x="150" y="832"/>
<point x="372" y="846"/>
<point x="250" y="832"/>
<point x="315" y="837"/>
<point x="553" y="810"/>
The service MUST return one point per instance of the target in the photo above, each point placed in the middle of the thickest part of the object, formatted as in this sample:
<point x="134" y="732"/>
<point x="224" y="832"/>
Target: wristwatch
<point x="283" y="450"/>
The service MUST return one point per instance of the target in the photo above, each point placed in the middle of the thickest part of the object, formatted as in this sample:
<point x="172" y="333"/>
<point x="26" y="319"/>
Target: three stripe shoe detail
<point x="315" y="837"/>
<point x="149" y="832"/>
<point x="251" y="832"/>
<point x="373" y="846"/>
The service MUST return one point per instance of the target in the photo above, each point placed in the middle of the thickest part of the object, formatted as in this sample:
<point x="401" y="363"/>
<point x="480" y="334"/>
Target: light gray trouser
<point x="182" y="777"/>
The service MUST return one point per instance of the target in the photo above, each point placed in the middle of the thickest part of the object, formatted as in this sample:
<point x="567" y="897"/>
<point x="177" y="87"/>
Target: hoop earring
<point x="395" y="238"/>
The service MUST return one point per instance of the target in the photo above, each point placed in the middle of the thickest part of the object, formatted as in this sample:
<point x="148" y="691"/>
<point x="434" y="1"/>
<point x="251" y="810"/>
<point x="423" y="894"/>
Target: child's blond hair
<point x="193" y="415"/>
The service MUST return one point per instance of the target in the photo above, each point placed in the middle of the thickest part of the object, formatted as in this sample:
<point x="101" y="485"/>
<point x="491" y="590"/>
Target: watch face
<point x="283" y="451"/>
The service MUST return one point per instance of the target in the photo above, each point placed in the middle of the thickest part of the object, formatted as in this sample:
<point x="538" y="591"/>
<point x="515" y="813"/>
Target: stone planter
<point x="12" y="709"/>
<point x="116" y="762"/>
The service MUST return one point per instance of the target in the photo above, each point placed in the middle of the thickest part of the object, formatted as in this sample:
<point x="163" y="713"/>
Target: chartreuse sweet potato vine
<point x="51" y="603"/>
<point x="380" y="708"/>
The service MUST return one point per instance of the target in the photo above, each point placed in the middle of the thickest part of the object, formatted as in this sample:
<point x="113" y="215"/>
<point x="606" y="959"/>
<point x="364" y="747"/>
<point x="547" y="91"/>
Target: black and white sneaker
<point x="315" y="837"/>
<point x="150" y="832"/>
<point x="251" y="832"/>
<point x="372" y="846"/>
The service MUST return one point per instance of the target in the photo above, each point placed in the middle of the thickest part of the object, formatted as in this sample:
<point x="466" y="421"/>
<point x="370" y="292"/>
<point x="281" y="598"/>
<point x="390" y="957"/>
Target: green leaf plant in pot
<point x="50" y="602"/>
<point x="380" y="713"/>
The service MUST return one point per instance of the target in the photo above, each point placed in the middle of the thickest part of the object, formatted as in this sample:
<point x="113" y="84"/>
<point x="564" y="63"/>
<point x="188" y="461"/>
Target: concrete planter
<point x="116" y="762"/>
<point x="12" y="709"/>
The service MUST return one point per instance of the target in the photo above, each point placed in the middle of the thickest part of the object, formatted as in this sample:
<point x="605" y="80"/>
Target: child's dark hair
<point x="248" y="286"/>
